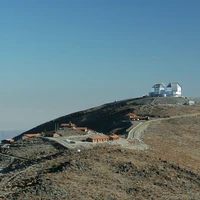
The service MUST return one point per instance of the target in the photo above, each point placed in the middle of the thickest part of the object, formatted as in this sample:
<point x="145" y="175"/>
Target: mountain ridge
<point x="123" y="106"/>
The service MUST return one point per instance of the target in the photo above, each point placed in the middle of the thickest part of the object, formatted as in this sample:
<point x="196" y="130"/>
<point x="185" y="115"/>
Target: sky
<point x="59" y="57"/>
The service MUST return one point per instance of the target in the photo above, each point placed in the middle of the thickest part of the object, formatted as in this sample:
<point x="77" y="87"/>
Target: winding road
<point x="136" y="131"/>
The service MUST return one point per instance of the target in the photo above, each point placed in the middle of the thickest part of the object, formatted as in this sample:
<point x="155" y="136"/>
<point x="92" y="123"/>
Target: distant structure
<point x="7" y="141"/>
<point x="160" y="90"/>
<point x="191" y="103"/>
<point x="173" y="90"/>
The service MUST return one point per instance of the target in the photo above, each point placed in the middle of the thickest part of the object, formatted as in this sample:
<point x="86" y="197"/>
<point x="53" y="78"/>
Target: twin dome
<point x="160" y="90"/>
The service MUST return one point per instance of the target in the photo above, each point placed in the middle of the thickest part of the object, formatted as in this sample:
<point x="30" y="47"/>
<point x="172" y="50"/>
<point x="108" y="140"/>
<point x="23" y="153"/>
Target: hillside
<point x="101" y="118"/>
<point x="39" y="168"/>
<point x="101" y="173"/>
<point x="176" y="140"/>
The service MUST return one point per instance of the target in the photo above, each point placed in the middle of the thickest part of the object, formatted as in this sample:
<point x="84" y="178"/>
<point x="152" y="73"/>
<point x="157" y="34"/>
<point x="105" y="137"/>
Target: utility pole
<point x="56" y="127"/>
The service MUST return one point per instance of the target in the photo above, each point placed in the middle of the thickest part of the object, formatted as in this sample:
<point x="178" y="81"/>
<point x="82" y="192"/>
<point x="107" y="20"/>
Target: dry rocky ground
<point x="176" y="140"/>
<point x="169" y="169"/>
<point x="101" y="173"/>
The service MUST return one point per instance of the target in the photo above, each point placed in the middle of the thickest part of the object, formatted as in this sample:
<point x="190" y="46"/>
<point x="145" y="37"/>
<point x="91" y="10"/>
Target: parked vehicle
<point x="69" y="141"/>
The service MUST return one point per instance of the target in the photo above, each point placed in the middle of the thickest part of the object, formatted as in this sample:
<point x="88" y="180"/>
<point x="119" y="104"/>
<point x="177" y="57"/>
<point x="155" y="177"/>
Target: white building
<point x="173" y="90"/>
<point x="191" y="103"/>
<point x="158" y="90"/>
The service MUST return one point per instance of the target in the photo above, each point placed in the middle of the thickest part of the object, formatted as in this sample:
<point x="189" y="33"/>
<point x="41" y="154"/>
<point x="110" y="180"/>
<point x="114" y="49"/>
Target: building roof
<point x="114" y="136"/>
<point x="95" y="137"/>
<point x="173" y="85"/>
<point x="159" y="85"/>
<point x="81" y="128"/>
<point x="9" y="140"/>
<point x="31" y="135"/>
<point x="130" y="114"/>
<point x="68" y="125"/>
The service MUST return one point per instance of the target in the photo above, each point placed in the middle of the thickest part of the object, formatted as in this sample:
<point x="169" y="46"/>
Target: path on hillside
<point x="4" y="167"/>
<point x="136" y="131"/>
<point x="3" y="193"/>
<point x="62" y="142"/>
<point x="13" y="157"/>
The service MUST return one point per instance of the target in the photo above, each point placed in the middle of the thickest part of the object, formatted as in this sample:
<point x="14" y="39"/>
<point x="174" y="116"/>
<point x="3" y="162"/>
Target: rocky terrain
<point x="176" y="140"/>
<point x="100" y="173"/>
<point x="38" y="168"/>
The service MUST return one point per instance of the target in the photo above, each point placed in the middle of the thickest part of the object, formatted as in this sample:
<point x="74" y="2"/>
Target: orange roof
<point x="31" y="135"/>
<point x="9" y="140"/>
<point x="95" y="137"/>
<point x="114" y="136"/>
<point x="81" y="128"/>
<point x="131" y="114"/>
<point x="68" y="125"/>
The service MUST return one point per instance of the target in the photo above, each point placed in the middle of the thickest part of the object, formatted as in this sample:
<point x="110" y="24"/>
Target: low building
<point x="114" y="137"/>
<point x="7" y="141"/>
<point x="191" y="103"/>
<point x="129" y="116"/>
<point x="85" y="129"/>
<point x="30" y="135"/>
<point x="56" y="135"/>
<point x="69" y="125"/>
<point x="98" y="138"/>
<point x="132" y="116"/>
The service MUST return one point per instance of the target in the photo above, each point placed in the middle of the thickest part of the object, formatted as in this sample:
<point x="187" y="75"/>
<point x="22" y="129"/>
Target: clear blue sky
<point x="57" y="57"/>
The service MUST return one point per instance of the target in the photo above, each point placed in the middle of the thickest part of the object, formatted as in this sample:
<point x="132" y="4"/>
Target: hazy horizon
<point x="9" y="134"/>
<point x="59" y="57"/>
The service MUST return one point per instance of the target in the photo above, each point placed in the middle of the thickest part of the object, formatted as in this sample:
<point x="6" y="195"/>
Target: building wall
<point x="191" y="103"/>
<point x="174" y="92"/>
<point x="157" y="92"/>
<point x="95" y="140"/>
